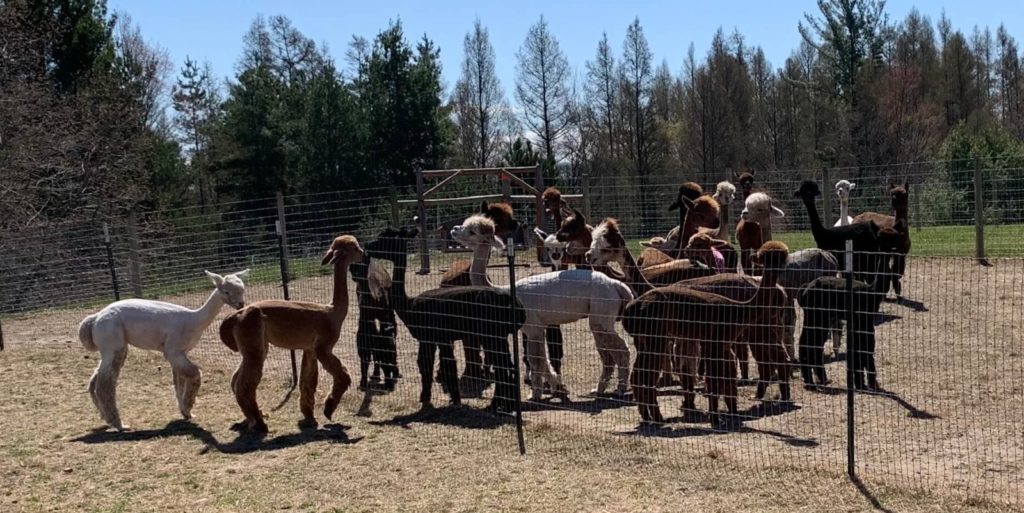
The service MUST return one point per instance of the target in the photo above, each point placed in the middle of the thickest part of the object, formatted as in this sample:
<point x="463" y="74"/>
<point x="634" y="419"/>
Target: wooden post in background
<point x="826" y="195"/>
<point x="421" y="222"/>
<point x="979" y="213"/>
<point x="394" y="207"/>
<point x="281" y="227"/>
<point x="134" y="263"/>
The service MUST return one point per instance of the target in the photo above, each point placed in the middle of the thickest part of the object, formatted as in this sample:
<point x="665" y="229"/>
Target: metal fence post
<point x="586" y="194"/>
<point x="2" y="334"/>
<point x="394" y="206"/>
<point x="826" y="199"/>
<point x="917" y="206"/>
<point x="282" y="250"/>
<point x="510" y="245"/>
<point x="134" y="260"/>
<point x="110" y="261"/>
<point x="538" y="183"/>
<point x="421" y="212"/>
<point x="850" y="345"/>
<point x="979" y="213"/>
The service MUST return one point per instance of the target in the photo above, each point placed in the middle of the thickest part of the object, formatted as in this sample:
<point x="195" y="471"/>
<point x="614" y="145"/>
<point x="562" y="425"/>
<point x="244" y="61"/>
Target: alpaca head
<point x="699" y="248"/>
<point x="843" y="188"/>
<point x="554" y="205"/>
<point x="478" y="230"/>
<point x="573" y="227"/>
<point x="344" y="249"/>
<point x="772" y="256"/>
<point x="391" y="243"/>
<point x="230" y="288"/>
<point x="505" y="223"/>
<point x="808" y="190"/>
<point x="759" y="209"/>
<point x="657" y="242"/>
<point x="607" y="245"/>
<point x="725" y="192"/>
<point x="899" y="194"/>
<point x="688" y="190"/>
<point x="554" y="248"/>
<point x="746" y="181"/>
<point x="702" y="212"/>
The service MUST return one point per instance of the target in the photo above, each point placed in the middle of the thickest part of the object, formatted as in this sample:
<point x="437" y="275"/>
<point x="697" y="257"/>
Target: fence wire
<point x="942" y="410"/>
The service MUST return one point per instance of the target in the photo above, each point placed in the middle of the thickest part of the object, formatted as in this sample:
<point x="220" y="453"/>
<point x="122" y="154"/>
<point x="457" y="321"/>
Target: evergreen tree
<point x="479" y="102"/>
<point x="542" y="89"/>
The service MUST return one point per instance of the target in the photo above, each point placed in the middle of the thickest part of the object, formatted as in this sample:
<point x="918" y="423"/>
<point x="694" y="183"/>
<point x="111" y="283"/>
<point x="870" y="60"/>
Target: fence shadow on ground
<point x="245" y="442"/>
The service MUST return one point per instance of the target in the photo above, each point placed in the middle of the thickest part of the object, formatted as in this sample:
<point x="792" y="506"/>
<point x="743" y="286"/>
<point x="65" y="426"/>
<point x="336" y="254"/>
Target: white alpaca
<point x="758" y="208"/>
<point x="157" y="326"/>
<point x="843" y="189"/>
<point x="553" y="299"/>
<point x="554" y="249"/>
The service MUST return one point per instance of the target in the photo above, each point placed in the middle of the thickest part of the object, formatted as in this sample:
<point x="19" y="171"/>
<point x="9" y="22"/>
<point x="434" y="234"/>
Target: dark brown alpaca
<point x="673" y="244"/>
<point x="715" y="321"/>
<point x="558" y="209"/>
<point x="899" y="222"/>
<point x="298" y="325"/>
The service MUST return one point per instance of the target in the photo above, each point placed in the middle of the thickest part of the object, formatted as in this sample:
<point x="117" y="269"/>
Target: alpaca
<point x="843" y="188"/>
<point x="771" y="353"/>
<point x="157" y="326"/>
<point x="458" y="276"/>
<point x="680" y="312"/>
<point x="438" y="317"/>
<point x="803" y="267"/>
<point x="900" y="222"/>
<point x="558" y="298"/>
<point x="297" y="325"/>
<point x="725" y="192"/>
<point x="375" y="335"/>
<point x="825" y="303"/>
<point x="703" y="248"/>
<point x="755" y="226"/>
<point x="864" y="235"/>
<point x="554" y="249"/>
<point x="688" y="193"/>
<point x="558" y="209"/>
<point x="746" y="181"/>
<point x="576" y="234"/>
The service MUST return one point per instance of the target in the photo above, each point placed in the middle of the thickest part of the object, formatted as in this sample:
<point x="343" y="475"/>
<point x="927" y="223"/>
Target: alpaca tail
<point x="227" y="331"/>
<point x="85" y="333"/>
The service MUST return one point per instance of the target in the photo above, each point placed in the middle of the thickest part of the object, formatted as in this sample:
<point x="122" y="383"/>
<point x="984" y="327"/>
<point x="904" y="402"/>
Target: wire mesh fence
<point x="928" y="383"/>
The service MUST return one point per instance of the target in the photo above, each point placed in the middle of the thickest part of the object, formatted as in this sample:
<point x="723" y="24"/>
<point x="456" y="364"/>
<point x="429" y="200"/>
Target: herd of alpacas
<point x="696" y="306"/>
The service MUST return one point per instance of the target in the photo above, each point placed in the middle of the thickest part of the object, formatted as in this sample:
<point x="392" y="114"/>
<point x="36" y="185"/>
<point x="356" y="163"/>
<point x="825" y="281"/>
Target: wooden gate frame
<point x="447" y="175"/>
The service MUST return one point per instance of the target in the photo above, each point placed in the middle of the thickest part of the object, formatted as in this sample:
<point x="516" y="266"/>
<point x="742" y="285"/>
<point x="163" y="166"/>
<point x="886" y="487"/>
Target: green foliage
<point x="1002" y="158"/>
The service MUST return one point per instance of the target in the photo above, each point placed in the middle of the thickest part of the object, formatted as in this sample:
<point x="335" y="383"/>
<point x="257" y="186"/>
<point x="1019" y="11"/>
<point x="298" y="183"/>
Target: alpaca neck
<point x="766" y="230"/>
<point x="339" y="298"/>
<point x="723" y="230"/>
<point x="844" y="210"/>
<point x="478" y="269"/>
<point x="398" y="295"/>
<point x="677" y="252"/>
<point x="637" y="282"/>
<point x="812" y="213"/>
<point x="901" y="212"/>
<point x="205" y="314"/>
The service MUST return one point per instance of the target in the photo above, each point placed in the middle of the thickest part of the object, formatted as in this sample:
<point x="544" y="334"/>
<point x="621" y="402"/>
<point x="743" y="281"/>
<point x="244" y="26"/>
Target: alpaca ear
<point x="686" y="201"/>
<point x="329" y="257"/>
<point x="777" y="212"/>
<point x="498" y="243"/>
<point x="243" y="273"/>
<point x="483" y="207"/>
<point x="906" y="185"/>
<point x="217" y="279"/>
<point x="540" y="233"/>
<point x="674" y="206"/>
<point x="579" y="215"/>
<point x="853" y="186"/>
<point x="892" y="186"/>
<point x="646" y="244"/>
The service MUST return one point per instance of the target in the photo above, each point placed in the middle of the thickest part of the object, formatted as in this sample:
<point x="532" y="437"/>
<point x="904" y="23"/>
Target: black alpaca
<point x="825" y="302"/>
<point x="439" y="317"/>
<point x="375" y="335"/>
<point x="863" y="235"/>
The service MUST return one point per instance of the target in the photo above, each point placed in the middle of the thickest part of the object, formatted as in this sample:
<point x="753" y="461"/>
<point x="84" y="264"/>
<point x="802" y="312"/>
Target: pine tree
<point x="542" y="89"/>
<point x="479" y="102"/>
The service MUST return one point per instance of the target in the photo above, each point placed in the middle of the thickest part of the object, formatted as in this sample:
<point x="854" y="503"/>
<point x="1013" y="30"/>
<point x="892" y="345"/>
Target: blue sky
<point x="213" y="30"/>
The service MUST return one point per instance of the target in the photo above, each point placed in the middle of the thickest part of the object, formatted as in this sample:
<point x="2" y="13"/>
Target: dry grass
<point x="947" y="438"/>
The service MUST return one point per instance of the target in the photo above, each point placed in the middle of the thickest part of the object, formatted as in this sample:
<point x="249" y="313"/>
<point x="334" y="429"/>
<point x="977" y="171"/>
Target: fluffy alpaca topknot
<point x="725" y="192"/>
<point x="551" y="194"/>
<point x="500" y="207"/>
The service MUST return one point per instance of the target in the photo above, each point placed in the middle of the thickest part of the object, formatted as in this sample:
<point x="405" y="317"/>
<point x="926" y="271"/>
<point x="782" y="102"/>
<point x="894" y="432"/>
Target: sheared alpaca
<point x="695" y="316"/>
<point x="843" y="188"/>
<point x="558" y="298"/>
<point x="899" y="222"/>
<point x="297" y="325"/>
<point x="769" y="346"/>
<point x="157" y="326"/>
<point x="438" y="317"/>
<point x="755" y="226"/>
<point x="803" y="267"/>
<point x="458" y="276"/>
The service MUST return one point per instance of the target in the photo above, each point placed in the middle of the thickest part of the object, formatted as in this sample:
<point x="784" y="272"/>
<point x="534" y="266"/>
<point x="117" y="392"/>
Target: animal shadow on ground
<point x="863" y="489"/>
<point x="735" y="426"/>
<point x="912" y="411"/>
<point x="455" y="416"/>
<point x="246" y="442"/>
<point x="594" y="406"/>
<point x="914" y="305"/>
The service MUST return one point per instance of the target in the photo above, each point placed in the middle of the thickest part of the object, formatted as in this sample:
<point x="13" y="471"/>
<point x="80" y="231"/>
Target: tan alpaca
<point x="309" y="327"/>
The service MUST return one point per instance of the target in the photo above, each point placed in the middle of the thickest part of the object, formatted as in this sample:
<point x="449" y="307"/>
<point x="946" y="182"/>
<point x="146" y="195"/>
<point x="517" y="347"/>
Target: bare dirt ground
<point x="946" y="436"/>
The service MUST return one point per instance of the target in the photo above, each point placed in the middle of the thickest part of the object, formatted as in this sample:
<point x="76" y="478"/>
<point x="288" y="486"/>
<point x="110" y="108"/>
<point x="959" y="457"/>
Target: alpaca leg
<point x="187" y="378"/>
<point x="649" y="361"/>
<point x="364" y="351"/>
<point x="474" y="362"/>
<point x="537" y="359"/>
<point x="688" y="356"/>
<point x="249" y="374"/>
<point x="899" y="266"/>
<point x="388" y="356"/>
<point x="450" y="371"/>
<point x="337" y="370"/>
<point x="604" y="352"/>
<point x="556" y="348"/>
<point x="497" y="357"/>
<point x="805" y="356"/>
<point x="743" y="354"/>
<point x="425" y="363"/>
<point x="103" y="385"/>
<point x="309" y="378"/>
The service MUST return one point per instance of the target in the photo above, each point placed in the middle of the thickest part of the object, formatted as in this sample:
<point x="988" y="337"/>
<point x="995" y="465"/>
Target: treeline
<point x="93" y="120"/>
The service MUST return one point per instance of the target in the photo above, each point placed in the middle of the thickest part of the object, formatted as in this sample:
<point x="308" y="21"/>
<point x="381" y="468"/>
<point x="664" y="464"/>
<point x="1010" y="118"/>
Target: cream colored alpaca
<point x="843" y="188"/>
<point x="298" y="325"/>
<point x="157" y="326"/>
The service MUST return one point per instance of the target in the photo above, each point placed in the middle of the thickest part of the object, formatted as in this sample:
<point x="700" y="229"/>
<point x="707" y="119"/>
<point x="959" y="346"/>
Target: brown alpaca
<point x="669" y="250"/>
<point x="898" y="222"/>
<point x="746" y="181"/>
<point x="715" y="321"/>
<point x="558" y="209"/>
<point x="578" y="235"/>
<point x="297" y="325"/>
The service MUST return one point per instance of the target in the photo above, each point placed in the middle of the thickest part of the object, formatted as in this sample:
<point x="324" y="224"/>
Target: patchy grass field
<point x="946" y="437"/>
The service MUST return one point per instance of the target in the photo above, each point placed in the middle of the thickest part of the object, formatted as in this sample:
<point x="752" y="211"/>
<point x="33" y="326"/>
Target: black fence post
<point x="510" y="244"/>
<point x="282" y="250"/>
<point x="1" y="334"/>
<point x="110" y="261"/>
<point x="826" y="199"/>
<point x="979" y="213"/>
<point x="850" y="345"/>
